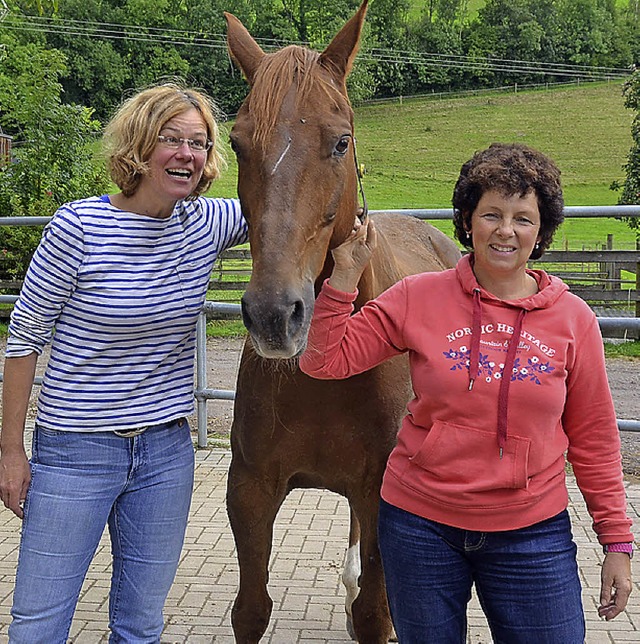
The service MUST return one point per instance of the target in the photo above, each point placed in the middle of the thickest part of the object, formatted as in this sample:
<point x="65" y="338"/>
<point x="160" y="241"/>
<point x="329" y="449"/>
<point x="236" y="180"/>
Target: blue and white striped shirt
<point x="123" y="292"/>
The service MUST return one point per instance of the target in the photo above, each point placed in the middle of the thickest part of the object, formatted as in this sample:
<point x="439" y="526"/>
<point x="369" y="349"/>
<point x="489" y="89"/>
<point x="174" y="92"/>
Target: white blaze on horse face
<point x="282" y="156"/>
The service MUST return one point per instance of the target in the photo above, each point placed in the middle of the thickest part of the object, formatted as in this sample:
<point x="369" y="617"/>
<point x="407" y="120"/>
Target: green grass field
<point x="417" y="7"/>
<point x="413" y="151"/>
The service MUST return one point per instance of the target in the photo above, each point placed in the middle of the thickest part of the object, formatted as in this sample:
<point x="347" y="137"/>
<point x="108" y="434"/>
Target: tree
<point x="317" y="22"/>
<point x="592" y="33"/>
<point x="630" y="24"/>
<point x="53" y="160"/>
<point x="97" y="70"/>
<point x="508" y="30"/>
<point x="631" y="186"/>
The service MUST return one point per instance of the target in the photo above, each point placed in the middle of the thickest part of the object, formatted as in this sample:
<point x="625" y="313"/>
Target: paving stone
<point x="310" y="538"/>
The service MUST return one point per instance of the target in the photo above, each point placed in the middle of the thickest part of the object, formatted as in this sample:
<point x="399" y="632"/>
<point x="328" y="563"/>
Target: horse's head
<point x="297" y="180"/>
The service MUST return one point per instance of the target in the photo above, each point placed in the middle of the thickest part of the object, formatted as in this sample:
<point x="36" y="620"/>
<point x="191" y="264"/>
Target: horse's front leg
<point x="252" y="506"/>
<point x="370" y="610"/>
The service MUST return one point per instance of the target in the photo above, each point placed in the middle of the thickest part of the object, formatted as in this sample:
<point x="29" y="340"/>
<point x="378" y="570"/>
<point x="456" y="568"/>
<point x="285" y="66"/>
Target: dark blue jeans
<point x="526" y="580"/>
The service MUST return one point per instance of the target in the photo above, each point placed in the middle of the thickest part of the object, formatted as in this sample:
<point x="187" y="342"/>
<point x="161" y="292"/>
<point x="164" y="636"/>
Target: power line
<point x="175" y="37"/>
<point x="459" y="57"/>
<point x="497" y="65"/>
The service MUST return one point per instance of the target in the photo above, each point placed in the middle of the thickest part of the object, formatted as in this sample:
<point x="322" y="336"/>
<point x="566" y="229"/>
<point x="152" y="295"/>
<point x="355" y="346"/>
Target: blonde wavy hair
<point x="132" y="134"/>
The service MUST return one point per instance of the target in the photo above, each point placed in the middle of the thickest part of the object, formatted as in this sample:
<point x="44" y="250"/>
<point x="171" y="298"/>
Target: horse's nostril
<point x="297" y="316"/>
<point x="246" y="318"/>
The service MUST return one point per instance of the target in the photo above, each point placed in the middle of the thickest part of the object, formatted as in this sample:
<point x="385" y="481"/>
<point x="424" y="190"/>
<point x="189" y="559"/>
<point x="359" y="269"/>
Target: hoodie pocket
<point x="464" y="459"/>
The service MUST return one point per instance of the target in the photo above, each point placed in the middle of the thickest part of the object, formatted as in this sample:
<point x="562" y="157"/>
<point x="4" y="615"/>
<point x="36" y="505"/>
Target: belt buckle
<point x="130" y="433"/>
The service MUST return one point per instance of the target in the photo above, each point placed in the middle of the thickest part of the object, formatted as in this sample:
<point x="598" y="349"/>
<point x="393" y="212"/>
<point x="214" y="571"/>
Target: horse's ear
<point x="244" y="50"/>
<point x="341" y="51"/>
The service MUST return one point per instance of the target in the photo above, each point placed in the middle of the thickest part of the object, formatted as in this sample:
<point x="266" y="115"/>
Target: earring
<point x="537" y="246"/>
<point x="467" y="237"/>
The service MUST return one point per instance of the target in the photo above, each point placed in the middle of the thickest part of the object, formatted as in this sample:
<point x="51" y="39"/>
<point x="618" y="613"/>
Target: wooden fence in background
<point x="604" y="278"/>
<point x="597" y="276"/>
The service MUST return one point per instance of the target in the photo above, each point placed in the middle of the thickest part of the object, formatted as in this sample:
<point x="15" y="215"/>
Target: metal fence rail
<point x="421" y="213"/>
<point x="202" y="393"/>
<point x="610" y="327"/>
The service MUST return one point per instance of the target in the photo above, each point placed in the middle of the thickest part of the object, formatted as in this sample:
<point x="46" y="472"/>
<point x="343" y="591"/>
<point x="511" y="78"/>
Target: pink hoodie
<point x="478" y="450"/>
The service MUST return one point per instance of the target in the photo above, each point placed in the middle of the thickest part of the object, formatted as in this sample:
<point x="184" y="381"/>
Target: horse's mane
<point x="279" y="70"/>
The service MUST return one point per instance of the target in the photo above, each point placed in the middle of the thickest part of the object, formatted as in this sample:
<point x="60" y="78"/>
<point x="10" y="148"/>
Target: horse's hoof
<point x="352" y="634"/>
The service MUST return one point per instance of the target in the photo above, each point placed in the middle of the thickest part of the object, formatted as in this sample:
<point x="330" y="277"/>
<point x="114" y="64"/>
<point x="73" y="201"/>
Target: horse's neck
<point x="381" y="272"/>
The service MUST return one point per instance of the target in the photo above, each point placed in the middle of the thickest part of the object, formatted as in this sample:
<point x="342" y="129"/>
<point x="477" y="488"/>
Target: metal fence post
<point x="638" y="282"/>
<point x="201" y="378"/>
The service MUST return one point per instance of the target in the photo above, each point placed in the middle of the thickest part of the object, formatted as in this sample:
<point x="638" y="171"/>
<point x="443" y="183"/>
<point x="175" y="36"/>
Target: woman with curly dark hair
<point x="510" y="169"/>
<point x="508" y="375"/>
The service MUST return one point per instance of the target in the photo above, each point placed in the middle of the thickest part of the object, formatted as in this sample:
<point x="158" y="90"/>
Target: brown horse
<point x="298" y="185"/>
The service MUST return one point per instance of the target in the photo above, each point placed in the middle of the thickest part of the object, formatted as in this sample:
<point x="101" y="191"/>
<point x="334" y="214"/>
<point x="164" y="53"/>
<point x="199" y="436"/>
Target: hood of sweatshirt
<point x="550" y="288"/>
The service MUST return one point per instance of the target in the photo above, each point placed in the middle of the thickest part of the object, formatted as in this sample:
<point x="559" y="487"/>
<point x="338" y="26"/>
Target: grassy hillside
<point x="413" y="152"/>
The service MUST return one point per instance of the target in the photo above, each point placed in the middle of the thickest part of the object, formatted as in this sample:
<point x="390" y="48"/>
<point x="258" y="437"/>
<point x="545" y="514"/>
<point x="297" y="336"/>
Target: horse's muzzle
<point x="278" y="323"/>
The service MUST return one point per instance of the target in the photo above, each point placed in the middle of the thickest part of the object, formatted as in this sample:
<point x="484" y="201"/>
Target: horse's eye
<point x="234" y="145"/>
<point x="341" y="146"/>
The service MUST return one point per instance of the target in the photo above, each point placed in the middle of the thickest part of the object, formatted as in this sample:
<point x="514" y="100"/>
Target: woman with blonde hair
<point x="121" y="279"/>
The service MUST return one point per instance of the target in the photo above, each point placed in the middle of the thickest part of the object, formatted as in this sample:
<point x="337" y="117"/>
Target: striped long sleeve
<point x="118" y="294"/>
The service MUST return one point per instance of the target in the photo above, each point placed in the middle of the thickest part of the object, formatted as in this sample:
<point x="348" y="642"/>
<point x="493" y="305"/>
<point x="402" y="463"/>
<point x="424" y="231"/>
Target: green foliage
<point x="114" y="46"/>
<point x="631" y="185"/>
<point x="17" y="244"/>
<point x="316" y="22"/>
<point x="52" y="160"/>
<point x="591" y="34"/>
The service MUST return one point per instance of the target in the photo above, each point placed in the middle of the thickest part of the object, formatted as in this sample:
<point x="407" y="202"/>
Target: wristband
<point x="619" y="547"/>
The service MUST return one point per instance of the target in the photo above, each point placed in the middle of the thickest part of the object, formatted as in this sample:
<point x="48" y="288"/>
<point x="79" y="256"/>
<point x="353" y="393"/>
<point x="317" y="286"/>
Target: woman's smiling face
<point x="504" y="230"/>
<point x="175" y="172"/>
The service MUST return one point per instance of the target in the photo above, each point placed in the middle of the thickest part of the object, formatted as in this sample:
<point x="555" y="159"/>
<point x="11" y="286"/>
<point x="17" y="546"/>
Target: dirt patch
<point x="624" y="380"/>
<point x="223" y="360"/>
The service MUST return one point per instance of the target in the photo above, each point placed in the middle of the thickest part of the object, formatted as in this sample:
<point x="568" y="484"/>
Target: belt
<point x="130" y="433"/>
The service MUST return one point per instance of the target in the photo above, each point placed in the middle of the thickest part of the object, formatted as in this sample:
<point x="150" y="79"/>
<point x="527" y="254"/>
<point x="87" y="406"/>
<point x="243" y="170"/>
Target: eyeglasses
<point x="175" y="142"/>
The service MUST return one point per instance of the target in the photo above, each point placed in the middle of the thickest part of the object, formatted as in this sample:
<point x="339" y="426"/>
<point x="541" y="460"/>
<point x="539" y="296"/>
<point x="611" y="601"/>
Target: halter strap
<point x="362" y="213"/>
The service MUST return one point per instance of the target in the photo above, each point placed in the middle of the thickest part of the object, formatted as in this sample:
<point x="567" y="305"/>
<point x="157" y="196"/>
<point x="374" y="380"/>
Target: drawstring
<point x="503" y="394"/>
<point x="476" y="328"/>
<point x="474" y="363"/>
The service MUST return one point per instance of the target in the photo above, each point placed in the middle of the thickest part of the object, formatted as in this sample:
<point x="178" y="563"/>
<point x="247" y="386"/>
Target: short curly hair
<point x="511" y="169"/>
<point x="132" y="134"/>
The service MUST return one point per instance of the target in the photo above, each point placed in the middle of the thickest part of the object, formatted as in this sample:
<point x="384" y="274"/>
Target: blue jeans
<point x="141" y="487"/>
<point x="527" y="580"/>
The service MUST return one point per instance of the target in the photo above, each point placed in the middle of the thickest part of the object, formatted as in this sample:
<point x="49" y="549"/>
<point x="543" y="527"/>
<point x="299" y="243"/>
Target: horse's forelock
<point x="293" y="64"/>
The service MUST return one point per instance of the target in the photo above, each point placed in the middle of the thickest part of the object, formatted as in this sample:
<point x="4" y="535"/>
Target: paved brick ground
<point x="310" y="539"/>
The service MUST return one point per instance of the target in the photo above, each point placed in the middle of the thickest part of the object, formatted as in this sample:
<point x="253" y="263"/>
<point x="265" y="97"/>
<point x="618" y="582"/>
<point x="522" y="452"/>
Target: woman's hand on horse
<point x="352" y="256"/>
